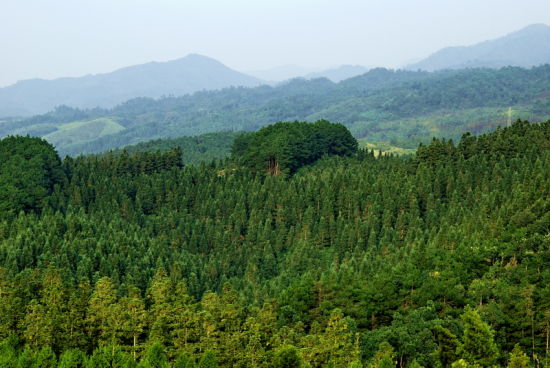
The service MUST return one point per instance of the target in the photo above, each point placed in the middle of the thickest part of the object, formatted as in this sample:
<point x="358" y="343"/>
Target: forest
<point x="405" y="107"/>
<point x="347" y="259"/>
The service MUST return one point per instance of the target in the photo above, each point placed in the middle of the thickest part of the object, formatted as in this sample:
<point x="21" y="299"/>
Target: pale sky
<point x="56" y="38"/>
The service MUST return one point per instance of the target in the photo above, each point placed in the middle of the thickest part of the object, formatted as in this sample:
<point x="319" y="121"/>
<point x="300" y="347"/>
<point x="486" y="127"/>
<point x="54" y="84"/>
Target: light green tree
<point x="518" y="359"/>
<point x="478" y="345"/>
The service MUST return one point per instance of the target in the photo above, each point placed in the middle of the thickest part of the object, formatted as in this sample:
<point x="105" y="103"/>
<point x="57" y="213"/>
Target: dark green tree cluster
<point x="439" y="260"/>
<point x="29" y="171"/>
<point x="286" y="147"/>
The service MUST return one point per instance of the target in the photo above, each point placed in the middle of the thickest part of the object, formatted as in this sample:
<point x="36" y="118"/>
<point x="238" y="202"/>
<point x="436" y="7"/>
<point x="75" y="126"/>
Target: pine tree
<point x="384" y="357"/>
<point x="134" y="317"/>
<point x="183" y="361"/>
<point x="72" y="358"/>
<point x="45" y="358"/>
<point x="287" y="357"/>
<point x="518" y="359"/>
<point x="208" y="360"/>
<point x="447" y="345"/>
<point x="154" y="357"/>
<point x="104" y="317"/>
<point x="478" y="346"/>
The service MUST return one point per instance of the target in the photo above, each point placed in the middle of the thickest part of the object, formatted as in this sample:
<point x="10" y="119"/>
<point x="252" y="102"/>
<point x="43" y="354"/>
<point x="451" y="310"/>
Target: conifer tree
<point x="287" y="357"/>
<point x="208" y="360"/>
<point x="134" y="317"/>
<point x="518" y="359"/>
<point x="478" y="346"/>
<point x="104" y="317"/>
<point x="72" y="358"/>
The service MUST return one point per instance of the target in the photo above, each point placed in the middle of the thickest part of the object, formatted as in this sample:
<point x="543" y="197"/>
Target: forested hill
<point x="439" y="260"/>
<point x="155" y="79"/>
<point x="402" y="107"/>
<point x="194" y="150"/>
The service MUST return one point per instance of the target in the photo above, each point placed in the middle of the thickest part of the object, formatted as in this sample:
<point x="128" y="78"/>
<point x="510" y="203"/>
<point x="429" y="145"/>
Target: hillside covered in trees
<point x="286" y="147"/>
<point x="401" y="107"/>
<point x="194" y="150"/>
<point x="137" y="260"/>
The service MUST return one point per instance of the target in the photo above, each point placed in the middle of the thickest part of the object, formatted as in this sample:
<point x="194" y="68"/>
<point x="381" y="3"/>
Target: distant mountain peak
<point x="178" y="77"/>
<point x="527" y="47"/>
<point x="198" y="57"/>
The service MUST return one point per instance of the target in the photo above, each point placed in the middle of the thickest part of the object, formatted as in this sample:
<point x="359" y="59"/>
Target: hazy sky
<point x="54" y="38"/>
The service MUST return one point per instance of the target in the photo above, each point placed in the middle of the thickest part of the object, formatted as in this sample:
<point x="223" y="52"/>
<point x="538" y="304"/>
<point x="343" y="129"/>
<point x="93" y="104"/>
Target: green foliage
<point x="287" y="357"/>
<point x="208" y="360"/>
<point x="129" y="262"/>
<point x="402" y="107"/>
<point x="73" y="358"/>
<point x="447" y="346"/>
<point x="110" y="357"/>
<point x="285" y="147"/>
<point x="45" y="358"/>
<point x="194" y="150"/>
<point x="478" y="346"/>
<point x="8" y="352"/>
<point x="154" y="357"/>
<point x="183" y="361"/>
<point x="384" y="357"/>
<point x="29" y="171"/>
<point x="518" y="359"/>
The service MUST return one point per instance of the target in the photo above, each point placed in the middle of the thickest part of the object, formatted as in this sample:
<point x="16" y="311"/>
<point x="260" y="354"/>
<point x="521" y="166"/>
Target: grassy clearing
<point x="83" y="131"/>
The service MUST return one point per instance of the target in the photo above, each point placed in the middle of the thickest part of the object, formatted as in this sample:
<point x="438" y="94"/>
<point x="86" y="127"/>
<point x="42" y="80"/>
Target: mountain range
<point x="196" y="95"/>
<point x="401" y="108"/>
<point x="527" y="47"/>
<point x="156" y="79"/>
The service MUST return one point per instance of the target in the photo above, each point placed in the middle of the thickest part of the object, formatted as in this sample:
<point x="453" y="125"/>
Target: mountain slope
<point x="400" y="107"/>
<point x="527" y="47"/>
<point x="178" y="77"/>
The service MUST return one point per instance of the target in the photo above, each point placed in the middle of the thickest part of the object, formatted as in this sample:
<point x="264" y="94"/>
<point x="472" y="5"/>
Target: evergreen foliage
<point x="194" y="150"/>
<point x="286" y="147"/>
<point x="437" y="260"/>
<point x="478" y="346"/>
<point x="29" y="171"/>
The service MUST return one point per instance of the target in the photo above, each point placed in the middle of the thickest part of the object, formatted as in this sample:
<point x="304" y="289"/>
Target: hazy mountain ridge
<point x="400" y="107"/>
<point x="178" y="77"/>
<point x="527" y="47"/>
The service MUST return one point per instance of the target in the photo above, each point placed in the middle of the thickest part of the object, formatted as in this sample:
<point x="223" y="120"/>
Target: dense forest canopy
<point x="134" y="259"/>
<point x="286" y="146"/>
<point x="29" y="170"/>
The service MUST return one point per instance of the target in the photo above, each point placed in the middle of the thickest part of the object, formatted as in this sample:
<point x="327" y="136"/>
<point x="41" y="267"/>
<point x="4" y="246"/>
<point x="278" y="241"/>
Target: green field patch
<point x="83" y="131"/>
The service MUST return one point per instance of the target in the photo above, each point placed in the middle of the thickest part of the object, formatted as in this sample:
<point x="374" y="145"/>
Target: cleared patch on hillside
<point x="408" y="132"/>
<point x="83" y="131"/>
